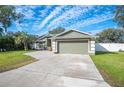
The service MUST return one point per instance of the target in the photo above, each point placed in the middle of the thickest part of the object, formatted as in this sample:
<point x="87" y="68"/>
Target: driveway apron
<point x="52" y="70"/>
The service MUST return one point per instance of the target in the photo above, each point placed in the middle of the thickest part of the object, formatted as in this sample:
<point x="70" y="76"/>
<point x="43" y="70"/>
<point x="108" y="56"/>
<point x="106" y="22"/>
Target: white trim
<point x="71" y="30"/>
<point x="92" y="47"/>
<point x="88" y="45"/>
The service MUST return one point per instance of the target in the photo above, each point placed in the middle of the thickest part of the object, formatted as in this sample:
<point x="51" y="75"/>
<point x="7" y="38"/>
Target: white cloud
<point x="44" y="11"/>
<point x="35" y="25"/>
<point x="27" y="11"/>
<point x="19" y="28"/>
<point x="50" y="16"/>
<point x="33" y="6"/>
<point x="66" y="16"/>
<point x="74" y="12"/>
<point x="92" y="20"/>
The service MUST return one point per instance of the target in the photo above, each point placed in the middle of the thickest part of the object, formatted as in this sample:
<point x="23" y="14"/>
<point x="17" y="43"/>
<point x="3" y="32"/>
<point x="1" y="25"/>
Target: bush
<point x="121" y="50"/>
<point x="7" y="42"/>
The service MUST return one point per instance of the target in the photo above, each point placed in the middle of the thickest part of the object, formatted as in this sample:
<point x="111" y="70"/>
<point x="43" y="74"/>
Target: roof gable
<point x="73" y="34"/>
<point x="44" y="36"/>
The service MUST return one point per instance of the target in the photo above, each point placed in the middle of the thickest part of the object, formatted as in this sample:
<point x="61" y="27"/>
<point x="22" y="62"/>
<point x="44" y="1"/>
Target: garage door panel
<point x="73" y="47"/>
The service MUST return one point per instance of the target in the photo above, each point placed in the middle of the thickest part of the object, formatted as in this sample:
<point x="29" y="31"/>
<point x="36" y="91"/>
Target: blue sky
<point x="40" y="19"/>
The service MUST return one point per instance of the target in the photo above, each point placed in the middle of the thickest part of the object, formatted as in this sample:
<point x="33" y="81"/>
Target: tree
<point x="8" y="15"/>
<point x="119" y="15"/>
<point x="31" y="38"/>
<point x="22" y="38"/>
<point x="57" y="30"/>
<point x="110" y="36"/>
<point x="16" y="41"/>
<point x="1" y="31"/>
<point x="6" y="43"/>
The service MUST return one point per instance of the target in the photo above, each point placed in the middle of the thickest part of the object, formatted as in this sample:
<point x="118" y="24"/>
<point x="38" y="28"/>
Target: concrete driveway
<point x="54" y="70"/>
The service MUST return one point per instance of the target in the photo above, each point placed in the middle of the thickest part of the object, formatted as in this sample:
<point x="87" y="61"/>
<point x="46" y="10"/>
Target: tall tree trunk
<point x="25" y="46"/>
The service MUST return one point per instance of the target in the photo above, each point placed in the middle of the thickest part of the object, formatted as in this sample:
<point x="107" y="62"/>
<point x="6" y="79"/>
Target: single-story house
<point x="43" y="42"/>
<point x="71" y="41"/>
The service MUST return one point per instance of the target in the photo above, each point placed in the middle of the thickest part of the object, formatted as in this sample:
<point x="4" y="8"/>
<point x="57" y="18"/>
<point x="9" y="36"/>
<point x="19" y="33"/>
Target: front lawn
<point x="13" y="59"/>
<point x="111" y="66"/>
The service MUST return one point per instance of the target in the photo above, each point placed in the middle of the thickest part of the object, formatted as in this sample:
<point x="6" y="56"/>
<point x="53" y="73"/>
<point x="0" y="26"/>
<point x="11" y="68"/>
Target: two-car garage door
<point x="74" y="47"/>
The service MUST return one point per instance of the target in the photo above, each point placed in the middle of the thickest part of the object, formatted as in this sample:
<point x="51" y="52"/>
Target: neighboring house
<point x="71" y="41"/>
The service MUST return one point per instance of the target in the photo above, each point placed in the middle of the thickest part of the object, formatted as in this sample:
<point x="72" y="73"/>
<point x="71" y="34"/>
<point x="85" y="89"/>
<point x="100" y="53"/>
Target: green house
<point x="71" y="41"/>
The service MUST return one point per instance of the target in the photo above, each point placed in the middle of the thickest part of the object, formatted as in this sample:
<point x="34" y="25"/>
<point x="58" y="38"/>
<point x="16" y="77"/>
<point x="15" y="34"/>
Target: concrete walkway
<point x="51" y="70"/>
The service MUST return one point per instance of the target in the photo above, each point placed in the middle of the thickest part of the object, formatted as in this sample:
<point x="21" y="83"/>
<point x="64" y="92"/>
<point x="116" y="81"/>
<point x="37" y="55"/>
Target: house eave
<point x="72" y="30"/>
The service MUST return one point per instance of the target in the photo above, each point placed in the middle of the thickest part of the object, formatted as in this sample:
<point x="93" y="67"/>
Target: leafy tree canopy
<point x="119" y="15"/>
<point x="1" y="31"/>
<point x="110" y="36"/>
<point x="16" y="41"/>
<point x="57" y="30"/>
<point x="8" y="15"/>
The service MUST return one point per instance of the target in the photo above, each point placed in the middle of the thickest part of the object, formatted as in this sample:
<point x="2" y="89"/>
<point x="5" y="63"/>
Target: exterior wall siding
<point x="91" y="47"/>
<point x="54" y="46"/>
<point x="74" y="35"/>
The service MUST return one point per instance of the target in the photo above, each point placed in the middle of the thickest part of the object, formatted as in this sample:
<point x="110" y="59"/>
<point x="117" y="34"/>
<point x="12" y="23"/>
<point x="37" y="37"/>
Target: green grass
<point x="14" y="59"/>
<point x="111" y="66"/>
